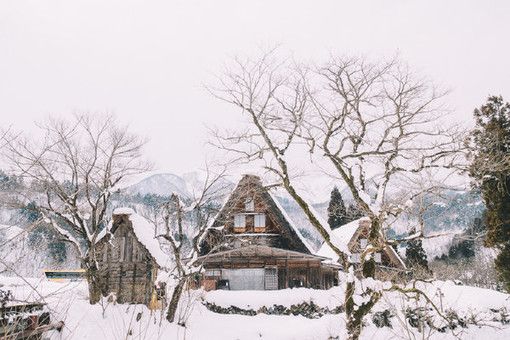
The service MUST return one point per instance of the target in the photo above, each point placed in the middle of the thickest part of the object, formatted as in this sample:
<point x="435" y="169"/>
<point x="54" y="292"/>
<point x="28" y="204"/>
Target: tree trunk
<point x="353" y="324"/>
<point x="93" y="280"/>
<point x="353" y="328"/>
<point x="174" y="302"/>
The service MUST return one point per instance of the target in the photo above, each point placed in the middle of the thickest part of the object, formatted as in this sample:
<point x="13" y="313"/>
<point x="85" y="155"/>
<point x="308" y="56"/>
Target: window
<point x="356" y="258"/>
<point x="239" y="221"/>
<point x="271" y="278"/>
<point x="249" y="204"/>
<point x="260" y="221"/>
<point x="377" y="257"/>
<point x="363" y="243"/>
<point x="212" y="272"/>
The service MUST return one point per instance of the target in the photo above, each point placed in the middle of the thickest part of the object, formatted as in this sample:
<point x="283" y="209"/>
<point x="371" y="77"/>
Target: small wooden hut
<point x="129" y="258"/>
<point x="354" y="236"/>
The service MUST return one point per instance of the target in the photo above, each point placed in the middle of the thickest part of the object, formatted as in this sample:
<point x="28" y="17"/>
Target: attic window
<point x="249" y="204"/>
<point x="239" y="221"/>
<point x="377" y="257"/>
<point x="363" y="243"/>
<point x="260" y="222"/>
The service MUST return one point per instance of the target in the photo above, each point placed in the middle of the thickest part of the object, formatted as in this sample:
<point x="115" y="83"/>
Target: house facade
<point x="354" y="237"/>
<point x="129" y="258"/>
<point x="253" y="244"/>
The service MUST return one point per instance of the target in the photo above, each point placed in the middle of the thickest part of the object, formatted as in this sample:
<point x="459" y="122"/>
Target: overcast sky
<point x="146" y="61"/>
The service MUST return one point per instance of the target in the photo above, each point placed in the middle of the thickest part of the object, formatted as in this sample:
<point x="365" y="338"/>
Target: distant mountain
<point x="160" y="184"/>
<point x="188" y="185"/>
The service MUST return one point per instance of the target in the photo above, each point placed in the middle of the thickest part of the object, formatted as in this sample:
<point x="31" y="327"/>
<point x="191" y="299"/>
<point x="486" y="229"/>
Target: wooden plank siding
<point x="309" y="274"/>
<point x="126" y="267"/>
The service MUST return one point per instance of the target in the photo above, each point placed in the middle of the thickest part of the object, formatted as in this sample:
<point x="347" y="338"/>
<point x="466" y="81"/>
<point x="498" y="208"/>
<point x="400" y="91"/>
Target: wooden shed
<point x="354" y="236"/>
<point x="129" y="258"/>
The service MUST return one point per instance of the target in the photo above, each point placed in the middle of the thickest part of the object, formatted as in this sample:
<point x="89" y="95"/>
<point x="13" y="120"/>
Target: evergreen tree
<point x="465" y="247"/>
<point x="415" y="254"/>
<point x="337" y="214"/>
<point x="43" y="235"/>
<point x="490" y="147"/>
<point x="354" y="212"/>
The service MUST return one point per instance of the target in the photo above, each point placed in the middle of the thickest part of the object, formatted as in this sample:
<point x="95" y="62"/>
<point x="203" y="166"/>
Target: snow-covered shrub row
<point x="309" y="310"/>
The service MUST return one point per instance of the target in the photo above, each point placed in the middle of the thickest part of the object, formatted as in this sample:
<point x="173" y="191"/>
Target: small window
<point x="377" y="257"/>
<point x="213" y="273"/>
<point x="239" y="221"/>
<point x="260" y="221"/>
<point x="363" y="243"/>
<point x="249" y="204"/>
<point x="356" y="258"/>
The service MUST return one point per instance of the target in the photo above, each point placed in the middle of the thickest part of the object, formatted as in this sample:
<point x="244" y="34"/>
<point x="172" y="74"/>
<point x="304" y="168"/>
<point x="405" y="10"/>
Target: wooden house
<point x="129" y="257"/>
<point x="354" y="237"/>
<point x="253" y="244"/>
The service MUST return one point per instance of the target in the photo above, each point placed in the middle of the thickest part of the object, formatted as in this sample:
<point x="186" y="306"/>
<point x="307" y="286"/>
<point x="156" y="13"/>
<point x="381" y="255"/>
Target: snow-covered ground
<point x="68" y="302"/>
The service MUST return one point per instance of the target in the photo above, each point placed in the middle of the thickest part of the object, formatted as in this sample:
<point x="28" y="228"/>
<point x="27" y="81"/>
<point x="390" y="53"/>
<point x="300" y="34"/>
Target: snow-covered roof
<point x="397" y="256"/>
<point x="340" y="237"/>
<point x="145" y="233"/>
<point x="291" y="223"/>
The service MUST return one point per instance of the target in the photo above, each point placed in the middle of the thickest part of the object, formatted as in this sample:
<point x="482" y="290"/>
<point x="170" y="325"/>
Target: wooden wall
<point x="291" y="273"/>
<point x="125" y="266"/>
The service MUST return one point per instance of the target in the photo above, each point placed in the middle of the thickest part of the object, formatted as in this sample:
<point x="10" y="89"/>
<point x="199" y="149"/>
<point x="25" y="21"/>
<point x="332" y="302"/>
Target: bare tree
<point x="372" y="125"/>
<point x="183" y="222"/>
<point x="76" y="165"/>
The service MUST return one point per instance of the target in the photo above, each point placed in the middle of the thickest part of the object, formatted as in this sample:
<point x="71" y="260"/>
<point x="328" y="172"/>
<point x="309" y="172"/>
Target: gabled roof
<point x="341" y="237"/>
<point x="145" y="234"/>
<point x="291" y="223"/>
<point x="283" y="219"/>
<point x="344" y="235"/>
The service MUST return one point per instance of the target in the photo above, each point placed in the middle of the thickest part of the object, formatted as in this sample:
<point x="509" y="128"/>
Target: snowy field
<point x="68" y="302"/>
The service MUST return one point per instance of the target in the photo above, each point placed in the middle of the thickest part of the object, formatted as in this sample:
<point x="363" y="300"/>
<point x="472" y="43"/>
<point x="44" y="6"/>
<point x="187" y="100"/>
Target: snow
<point x="68" y="301"/>
<point x="123" y="211"/>
<point x="292" y="224"/>
<point x="340" y="237"/>
<point x="9" y="232"/>
<point x="145" y="233"/>
<point x="254" y="299"/>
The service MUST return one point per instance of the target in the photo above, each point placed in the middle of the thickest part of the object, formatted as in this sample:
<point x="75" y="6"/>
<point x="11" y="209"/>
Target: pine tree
<point x="415" y="254"/>
<point x="337" y="214"/>
<point x="465" y="247"/>
<point x="490" y="147"/>
<point x="354" y="212"/>
<point x="42" y="234"/>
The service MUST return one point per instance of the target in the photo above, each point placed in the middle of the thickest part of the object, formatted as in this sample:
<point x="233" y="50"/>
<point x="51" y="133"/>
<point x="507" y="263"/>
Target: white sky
<point x="146" y="61"/>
